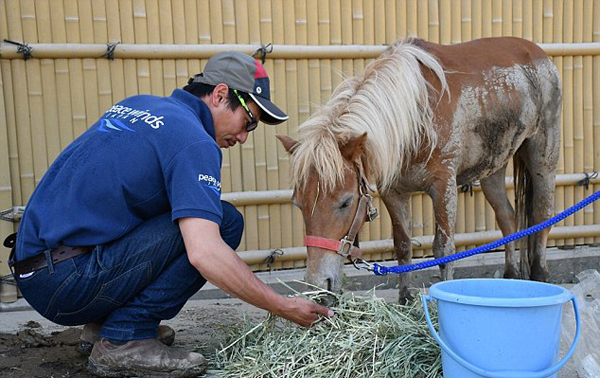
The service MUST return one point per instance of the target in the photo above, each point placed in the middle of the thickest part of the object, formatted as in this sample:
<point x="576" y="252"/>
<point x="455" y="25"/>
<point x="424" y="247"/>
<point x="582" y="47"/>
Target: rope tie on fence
<point x="4" y="217"/>
<point x="269" y="260"/>
<point x="587" y="180"/>
<point x="383" y="270"/>
<point x="23" y="48"/>
<point x="110" y="50"/>
<point x="263" y="50"/>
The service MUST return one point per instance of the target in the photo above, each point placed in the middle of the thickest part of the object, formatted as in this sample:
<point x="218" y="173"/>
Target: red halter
<point x="364" y="212"/>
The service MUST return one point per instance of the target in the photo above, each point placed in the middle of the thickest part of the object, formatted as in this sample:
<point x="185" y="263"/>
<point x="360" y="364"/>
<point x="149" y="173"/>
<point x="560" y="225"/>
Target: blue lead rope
<point x="383" y="270"/>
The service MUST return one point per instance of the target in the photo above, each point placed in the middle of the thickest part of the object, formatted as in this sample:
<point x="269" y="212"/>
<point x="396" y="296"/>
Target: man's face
<point x="230" y="125"/>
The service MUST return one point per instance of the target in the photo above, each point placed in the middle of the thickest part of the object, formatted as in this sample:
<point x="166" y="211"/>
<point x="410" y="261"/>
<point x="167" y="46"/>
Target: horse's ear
<point x="288" y="143"/>
<point x="353" y="149"/>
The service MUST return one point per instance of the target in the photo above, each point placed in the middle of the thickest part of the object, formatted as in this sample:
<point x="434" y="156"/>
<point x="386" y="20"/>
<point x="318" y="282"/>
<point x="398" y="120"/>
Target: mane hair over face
<point x="390" y="102"/>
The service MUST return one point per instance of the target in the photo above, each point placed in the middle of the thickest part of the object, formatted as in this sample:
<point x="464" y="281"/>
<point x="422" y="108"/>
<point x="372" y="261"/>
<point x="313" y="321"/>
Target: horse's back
<point x="477" y="55"/>
<point x="502" y="92"/>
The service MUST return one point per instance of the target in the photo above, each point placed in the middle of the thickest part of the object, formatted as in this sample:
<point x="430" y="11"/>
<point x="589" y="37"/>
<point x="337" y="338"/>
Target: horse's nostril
<point x="328" y="284"/>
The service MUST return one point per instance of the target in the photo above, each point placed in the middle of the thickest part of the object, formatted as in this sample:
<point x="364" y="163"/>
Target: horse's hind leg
<point x="540" y="154"/>
<point x="494" y="188"/>
<point x="397" y="205"/>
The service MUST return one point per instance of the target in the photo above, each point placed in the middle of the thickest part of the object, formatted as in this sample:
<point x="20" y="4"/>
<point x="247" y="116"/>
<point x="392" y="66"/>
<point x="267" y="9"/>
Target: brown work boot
<point x="143" y="358"/>
<point x="91" y="334"/>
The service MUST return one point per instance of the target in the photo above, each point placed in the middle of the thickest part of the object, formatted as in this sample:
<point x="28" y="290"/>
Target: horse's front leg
<point x="445" y="197"/>
<point x="397" y="205"/>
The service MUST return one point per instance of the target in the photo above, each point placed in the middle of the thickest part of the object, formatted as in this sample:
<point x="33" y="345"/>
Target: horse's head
<point x="333" y="214"/>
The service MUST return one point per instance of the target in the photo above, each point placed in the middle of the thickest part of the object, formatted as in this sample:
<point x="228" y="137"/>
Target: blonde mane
<point x="390" y="102"/>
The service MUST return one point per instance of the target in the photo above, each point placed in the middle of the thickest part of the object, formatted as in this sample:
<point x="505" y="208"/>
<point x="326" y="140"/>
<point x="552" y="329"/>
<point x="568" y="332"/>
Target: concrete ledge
<point x="564" y="265"/>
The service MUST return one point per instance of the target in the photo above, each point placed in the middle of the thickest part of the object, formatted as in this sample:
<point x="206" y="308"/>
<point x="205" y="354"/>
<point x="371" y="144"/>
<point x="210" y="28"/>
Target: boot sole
<point x="103" y="371"/>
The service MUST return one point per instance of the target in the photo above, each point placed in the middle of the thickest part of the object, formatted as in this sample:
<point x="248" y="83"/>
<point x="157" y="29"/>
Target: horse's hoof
<point x="540" y="275"/>
<point x="404" y="296"/>
<point x="511" y="273"/>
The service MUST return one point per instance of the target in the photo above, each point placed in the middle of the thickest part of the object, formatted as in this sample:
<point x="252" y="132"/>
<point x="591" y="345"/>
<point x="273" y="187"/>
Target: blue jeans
<point x="130" y="284"/>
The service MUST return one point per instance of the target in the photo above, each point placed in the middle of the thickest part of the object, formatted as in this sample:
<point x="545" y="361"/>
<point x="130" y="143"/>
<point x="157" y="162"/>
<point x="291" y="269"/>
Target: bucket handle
<point x="508" y="373"/>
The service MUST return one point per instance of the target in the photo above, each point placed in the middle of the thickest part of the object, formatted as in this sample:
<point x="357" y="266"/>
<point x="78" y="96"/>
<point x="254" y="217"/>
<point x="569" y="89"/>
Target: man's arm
<point x="220" y="265"/>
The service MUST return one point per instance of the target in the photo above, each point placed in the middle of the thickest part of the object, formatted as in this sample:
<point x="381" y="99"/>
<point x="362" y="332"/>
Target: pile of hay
<point x="367" y="337"/>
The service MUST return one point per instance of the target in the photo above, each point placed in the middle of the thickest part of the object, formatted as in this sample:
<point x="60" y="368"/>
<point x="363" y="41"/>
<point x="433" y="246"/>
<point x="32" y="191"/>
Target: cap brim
<point x="271" y="114"/>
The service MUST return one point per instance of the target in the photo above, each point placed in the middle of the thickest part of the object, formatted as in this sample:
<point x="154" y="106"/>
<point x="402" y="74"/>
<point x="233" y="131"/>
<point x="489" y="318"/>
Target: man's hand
<point x="302" y="311"/>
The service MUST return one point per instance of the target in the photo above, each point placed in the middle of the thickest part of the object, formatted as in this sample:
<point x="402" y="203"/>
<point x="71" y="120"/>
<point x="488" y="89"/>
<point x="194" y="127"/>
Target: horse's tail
<point x="524" y="211"/>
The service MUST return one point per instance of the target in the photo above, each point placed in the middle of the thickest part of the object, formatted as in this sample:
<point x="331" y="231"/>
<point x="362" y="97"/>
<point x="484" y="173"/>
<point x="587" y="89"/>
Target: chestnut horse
<point x="427" y="117"/>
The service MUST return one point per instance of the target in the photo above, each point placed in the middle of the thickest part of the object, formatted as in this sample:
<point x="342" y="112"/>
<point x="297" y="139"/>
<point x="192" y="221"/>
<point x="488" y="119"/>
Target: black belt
<point x="58" y="254"/>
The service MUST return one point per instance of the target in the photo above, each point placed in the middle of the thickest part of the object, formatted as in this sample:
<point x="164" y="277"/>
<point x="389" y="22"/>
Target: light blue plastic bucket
<point x="499" y="328"/>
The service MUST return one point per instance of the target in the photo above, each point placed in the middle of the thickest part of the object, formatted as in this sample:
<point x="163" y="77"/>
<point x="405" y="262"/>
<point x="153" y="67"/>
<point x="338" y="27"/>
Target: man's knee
<point x="232" y="225"/>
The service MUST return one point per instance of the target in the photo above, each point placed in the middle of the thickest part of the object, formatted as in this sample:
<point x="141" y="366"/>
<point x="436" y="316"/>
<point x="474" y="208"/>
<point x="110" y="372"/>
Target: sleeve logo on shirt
<point x="211" y="182"/>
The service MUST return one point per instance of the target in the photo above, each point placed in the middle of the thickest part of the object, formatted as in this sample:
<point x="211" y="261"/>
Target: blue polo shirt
<point x="144" y="157"/>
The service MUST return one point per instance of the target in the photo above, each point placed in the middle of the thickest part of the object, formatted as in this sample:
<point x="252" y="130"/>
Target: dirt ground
<point x="31" y="346"/>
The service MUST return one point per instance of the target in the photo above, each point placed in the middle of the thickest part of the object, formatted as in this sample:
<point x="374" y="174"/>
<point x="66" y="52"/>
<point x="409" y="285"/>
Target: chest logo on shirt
<point x="211" y="182"/>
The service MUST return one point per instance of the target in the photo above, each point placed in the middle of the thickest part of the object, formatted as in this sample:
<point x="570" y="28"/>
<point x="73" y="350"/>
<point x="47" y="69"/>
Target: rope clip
<point x="362" y="264"/>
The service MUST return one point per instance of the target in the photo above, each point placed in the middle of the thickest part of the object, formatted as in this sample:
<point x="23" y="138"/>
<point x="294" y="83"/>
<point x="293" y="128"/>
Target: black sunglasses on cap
<point x="253" y="123"/>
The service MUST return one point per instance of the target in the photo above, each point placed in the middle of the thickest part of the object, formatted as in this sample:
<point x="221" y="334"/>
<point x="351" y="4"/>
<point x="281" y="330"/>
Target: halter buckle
<point x="345" y="247"/>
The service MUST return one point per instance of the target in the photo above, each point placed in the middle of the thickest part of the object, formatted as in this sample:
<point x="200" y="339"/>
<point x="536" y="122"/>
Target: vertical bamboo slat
<point x="596" y="105"/>
<point x="559" y="193"/>
<point x="588" y="110"/>
<point x="568" y="116"/>
<point x="517" y="26"/>
<point x="8" y="293"/>
<point x="578" y="113"/>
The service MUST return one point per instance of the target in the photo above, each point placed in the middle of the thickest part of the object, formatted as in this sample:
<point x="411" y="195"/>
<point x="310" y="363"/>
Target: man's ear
<point x="288" y="143"/>
<point x="220" y="94"/>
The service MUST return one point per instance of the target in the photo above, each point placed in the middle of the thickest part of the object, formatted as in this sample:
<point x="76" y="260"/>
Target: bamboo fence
<point x="48" y="100"/>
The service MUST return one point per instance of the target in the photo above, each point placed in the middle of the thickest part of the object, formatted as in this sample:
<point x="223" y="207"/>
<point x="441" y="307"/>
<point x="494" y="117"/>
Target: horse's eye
<point x="346" y="203"/>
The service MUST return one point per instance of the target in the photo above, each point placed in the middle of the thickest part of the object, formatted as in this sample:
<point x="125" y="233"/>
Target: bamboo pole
<point x="423" y="20"/>
<point x="497" y="20"/>
<point x="557" y="28"/>
<point x="578" y="124"/>
<point x="271" y="174"/>
<point x="171" y="51"/>
<point x="466" y="20"/>
<point x="283" y="196"/>
<point x="456" y="23"/>
<point x="412" y="18"/>
<point x="116" y="66"/>
<point x="103" y="67"/>
<point x="371" y="247"/>
<point x="434" y="21"/>
<point x="528" y="20"/>
<point x="568" y="115"/>
<point x="444" y="21"/>
<point x="22" y="126"/>
<point x="400" y="27"/>
<point x="390" y="22"/>
<point x="486" y="22"/>
<point x="588" y="109"/>
<point x="476" y="19"/>
<point x="157" y="80"/>
<point x="507" y="18"/>
<point x="34" y="94"/>
<point x="11" y="126"/>
<point x="517" y="25"/>
<point x="538" y="20"/>
<point x="8" y="293"/>
<point x="295" y="225"/>
<point x="596" y="105"/>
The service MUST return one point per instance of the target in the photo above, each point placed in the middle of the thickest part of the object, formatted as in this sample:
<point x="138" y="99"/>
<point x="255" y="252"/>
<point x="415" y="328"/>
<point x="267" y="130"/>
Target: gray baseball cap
<point x="244" y="73"/>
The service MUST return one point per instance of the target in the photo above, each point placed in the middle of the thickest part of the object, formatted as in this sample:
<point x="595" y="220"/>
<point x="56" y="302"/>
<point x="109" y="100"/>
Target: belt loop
<point x="48" y="254"/>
